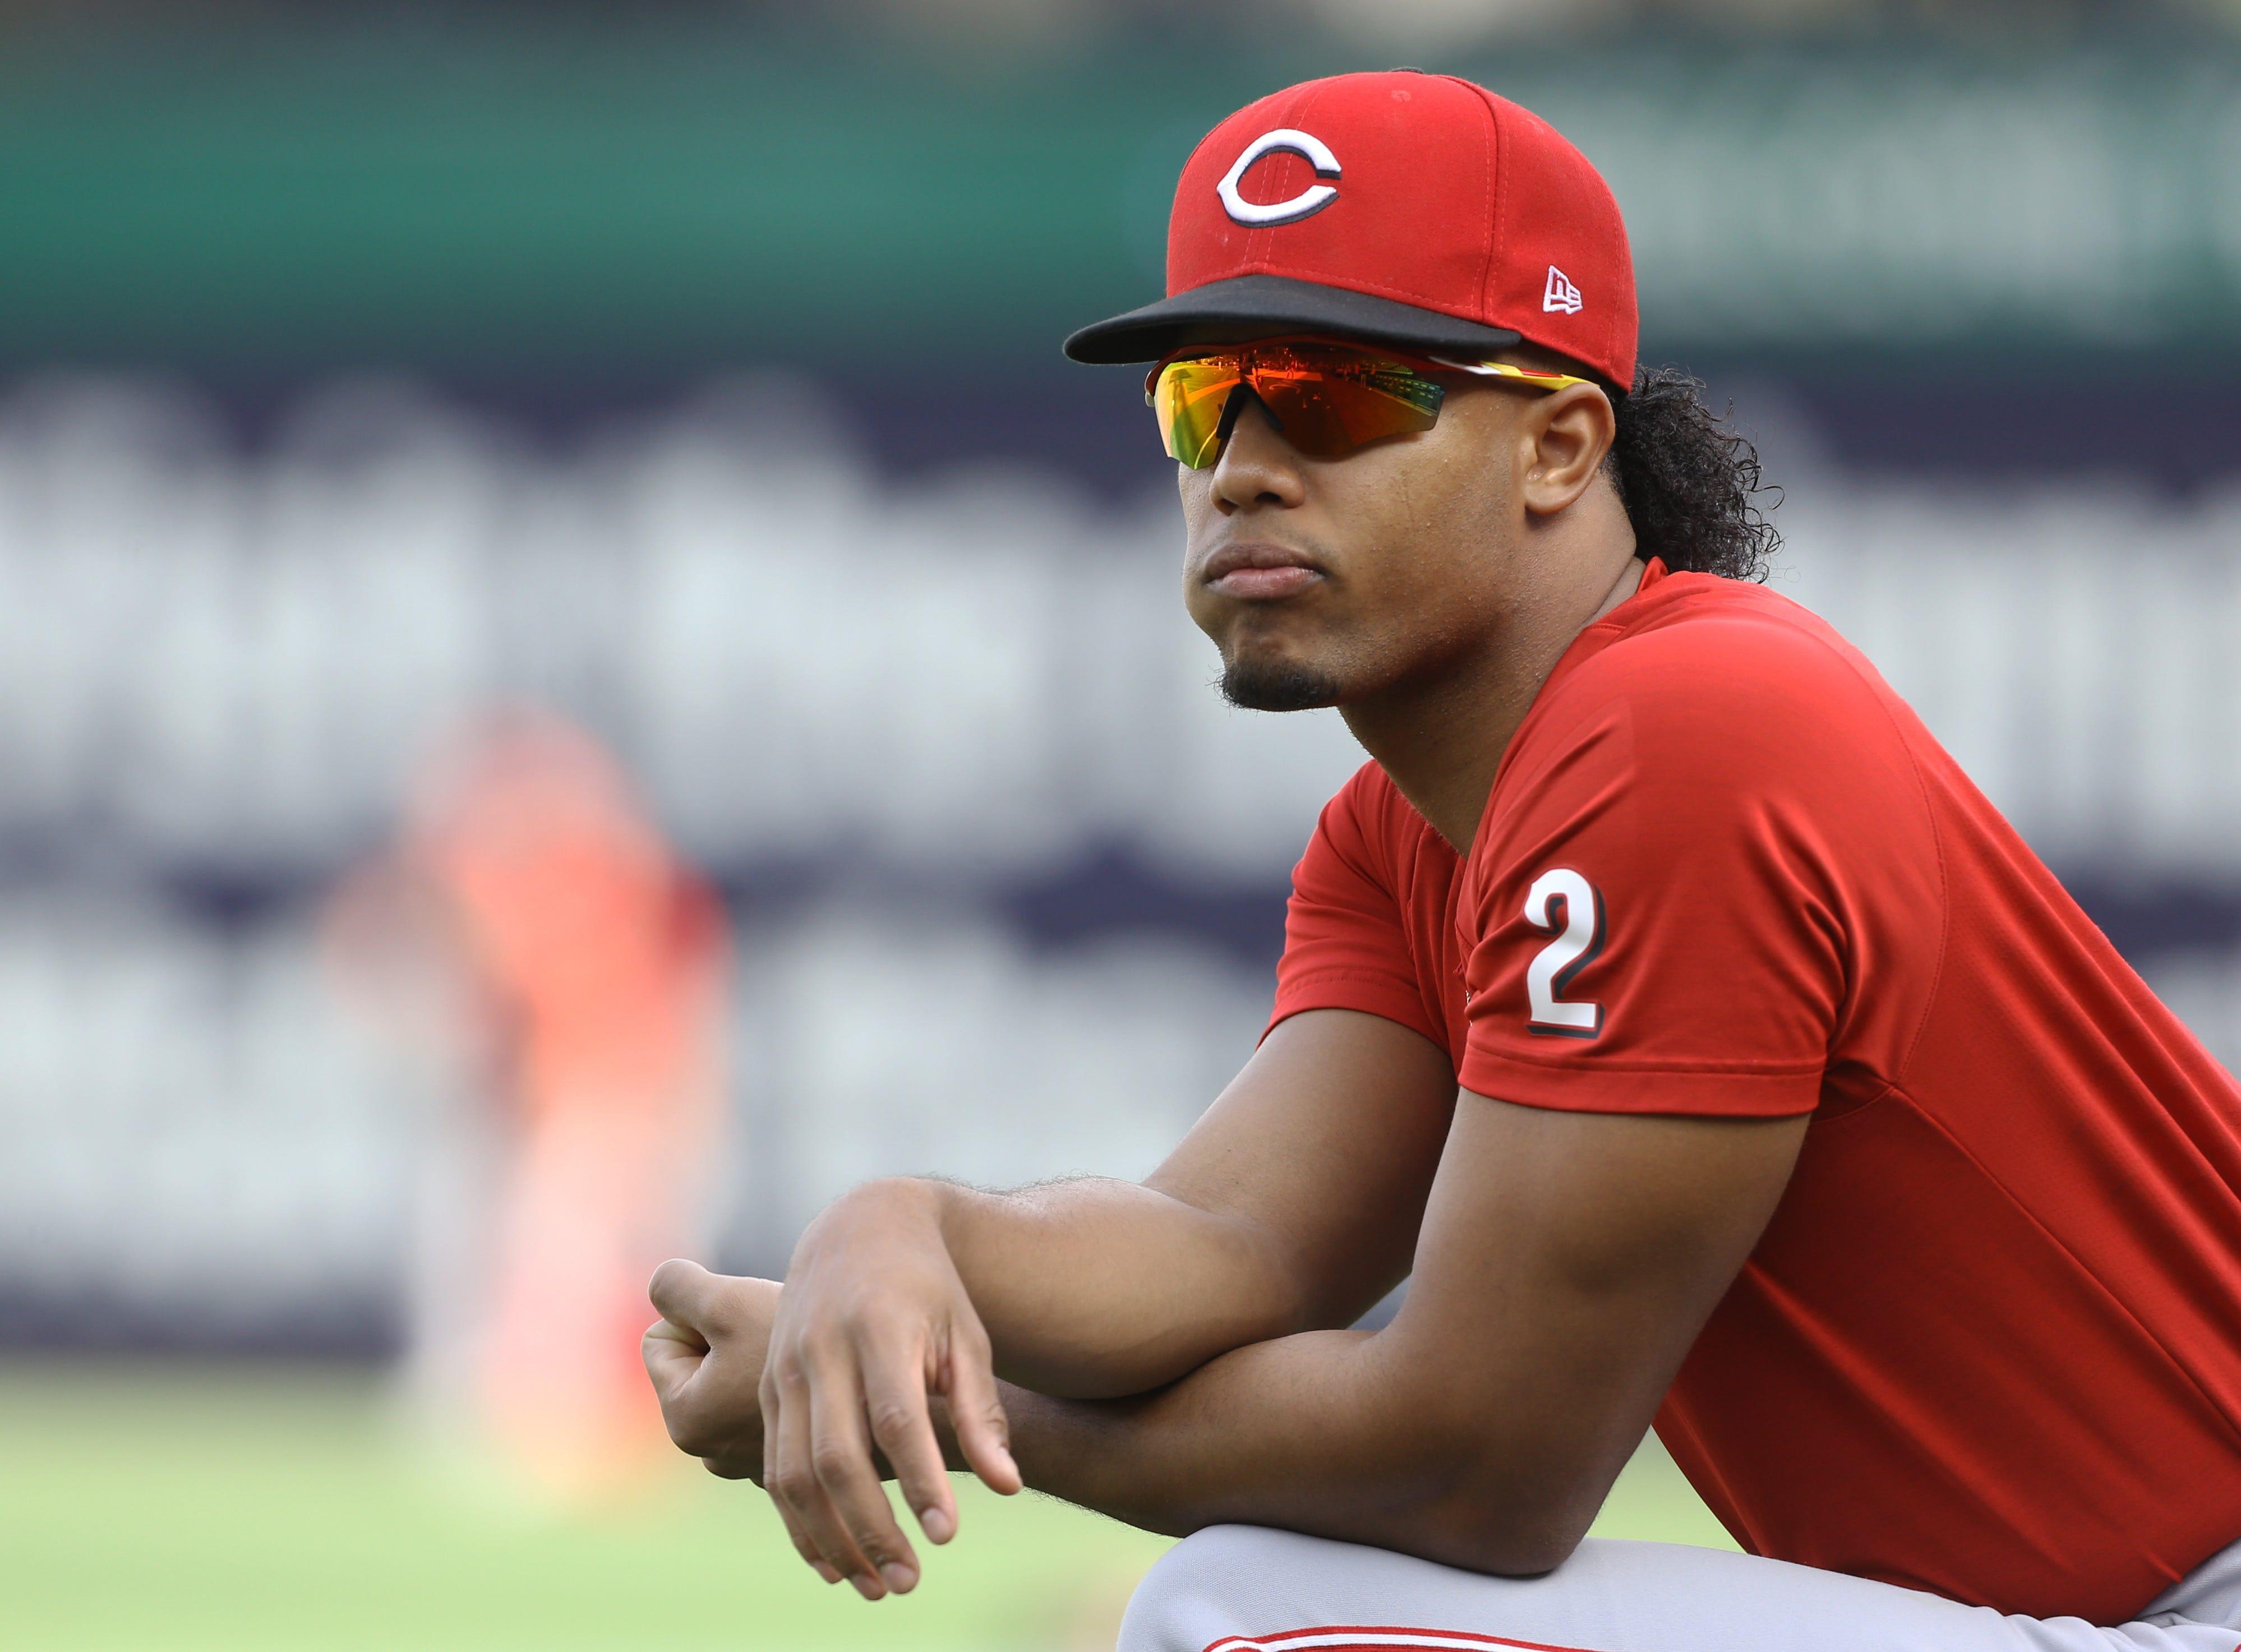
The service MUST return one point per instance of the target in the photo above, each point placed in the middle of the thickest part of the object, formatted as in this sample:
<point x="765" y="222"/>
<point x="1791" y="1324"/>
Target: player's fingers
<point x="984" y="1433"/>
<point x="841" y="1454"/>
<point x="786" y="1423"/>
<point x="685" y="1293"/>
<point x="902" y="1422"/>
<point x="672" y="1356"/>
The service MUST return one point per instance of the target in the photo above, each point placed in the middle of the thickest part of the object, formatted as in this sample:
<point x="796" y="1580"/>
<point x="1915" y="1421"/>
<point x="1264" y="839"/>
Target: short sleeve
<point x="1347" y="942"/>
<point x="1666" y="899"/>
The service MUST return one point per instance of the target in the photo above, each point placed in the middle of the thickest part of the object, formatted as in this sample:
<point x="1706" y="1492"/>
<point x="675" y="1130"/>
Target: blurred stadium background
<point x="630" y="443"/>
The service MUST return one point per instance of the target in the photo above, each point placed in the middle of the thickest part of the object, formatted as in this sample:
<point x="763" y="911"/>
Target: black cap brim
<point x="1258" y="305"/>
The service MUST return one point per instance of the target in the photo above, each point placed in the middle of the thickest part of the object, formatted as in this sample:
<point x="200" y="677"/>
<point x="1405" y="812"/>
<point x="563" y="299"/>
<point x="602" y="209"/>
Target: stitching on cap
<point x="1167" y="263"/>
<point x="1260" y="241"/>
<point x="1498" y="190"/>
<point x="1264" y="236"/>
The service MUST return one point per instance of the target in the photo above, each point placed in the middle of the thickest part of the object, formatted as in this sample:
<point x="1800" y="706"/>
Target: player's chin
<point x="1266" y="680"/>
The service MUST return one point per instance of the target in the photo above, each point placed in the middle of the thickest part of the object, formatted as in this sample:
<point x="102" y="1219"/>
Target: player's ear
<point x="1564" y="436"/>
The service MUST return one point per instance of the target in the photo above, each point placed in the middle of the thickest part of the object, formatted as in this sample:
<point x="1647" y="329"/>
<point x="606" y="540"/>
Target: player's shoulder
<point x="1711" y="682"/>
<point x="1697" y="648"/>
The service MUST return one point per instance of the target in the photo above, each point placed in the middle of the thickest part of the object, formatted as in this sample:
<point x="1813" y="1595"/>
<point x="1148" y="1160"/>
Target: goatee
<point x="1276" y="686"/>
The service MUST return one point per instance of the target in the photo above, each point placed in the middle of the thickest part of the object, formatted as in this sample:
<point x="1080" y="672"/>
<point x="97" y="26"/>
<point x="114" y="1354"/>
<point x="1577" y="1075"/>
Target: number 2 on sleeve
<point x="1564" y="901"/>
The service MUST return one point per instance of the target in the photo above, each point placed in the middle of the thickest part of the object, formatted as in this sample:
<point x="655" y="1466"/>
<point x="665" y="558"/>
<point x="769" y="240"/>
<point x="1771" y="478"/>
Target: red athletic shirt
<point x="1990" y="1343"/>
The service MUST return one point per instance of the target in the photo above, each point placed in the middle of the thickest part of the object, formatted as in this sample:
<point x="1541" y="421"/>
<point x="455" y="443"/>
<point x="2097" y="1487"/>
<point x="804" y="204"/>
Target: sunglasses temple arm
<point x="1497" y="369"/>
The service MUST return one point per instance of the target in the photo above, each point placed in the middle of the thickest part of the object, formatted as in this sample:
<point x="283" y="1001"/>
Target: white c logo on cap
<point x="1306" y="203"/>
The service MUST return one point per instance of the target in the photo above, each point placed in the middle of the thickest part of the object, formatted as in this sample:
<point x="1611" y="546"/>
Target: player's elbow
<point x="1502" y="1507"/>
<point x="1490" y="1522"/>
<point x="1494" y="1479"/>
<point x="1514" y="1542"/>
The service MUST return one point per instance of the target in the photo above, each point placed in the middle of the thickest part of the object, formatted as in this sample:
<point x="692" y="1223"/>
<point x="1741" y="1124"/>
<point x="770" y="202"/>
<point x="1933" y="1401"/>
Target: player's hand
<point x="873" y="1323"/>
<point x="705" y="1355"/>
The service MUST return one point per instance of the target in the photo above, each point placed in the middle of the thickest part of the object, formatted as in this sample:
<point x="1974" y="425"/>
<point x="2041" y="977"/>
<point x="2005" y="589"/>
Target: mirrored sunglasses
<point x="1325" y="399"/>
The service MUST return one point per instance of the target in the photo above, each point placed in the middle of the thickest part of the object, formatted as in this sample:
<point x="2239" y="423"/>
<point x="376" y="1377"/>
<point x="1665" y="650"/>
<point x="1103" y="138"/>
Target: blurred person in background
<point x="532" y="932"/>
<point x="1661" y="1000"/>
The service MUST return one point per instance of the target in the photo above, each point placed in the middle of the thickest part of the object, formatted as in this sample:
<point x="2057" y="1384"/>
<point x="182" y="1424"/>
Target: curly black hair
<point x="1688" y="481"/>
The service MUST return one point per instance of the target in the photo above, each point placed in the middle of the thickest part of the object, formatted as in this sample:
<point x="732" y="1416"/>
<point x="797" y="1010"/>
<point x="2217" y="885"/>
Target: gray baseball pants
<point x="1246" y="1588"/>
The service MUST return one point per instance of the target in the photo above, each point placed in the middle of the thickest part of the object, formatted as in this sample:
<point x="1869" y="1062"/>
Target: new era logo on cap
<point x="1458" y="223"/>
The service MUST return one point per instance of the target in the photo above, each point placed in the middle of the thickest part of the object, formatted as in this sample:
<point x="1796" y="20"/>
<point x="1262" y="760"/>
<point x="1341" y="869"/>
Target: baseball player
<point x="1660" y="1000"/>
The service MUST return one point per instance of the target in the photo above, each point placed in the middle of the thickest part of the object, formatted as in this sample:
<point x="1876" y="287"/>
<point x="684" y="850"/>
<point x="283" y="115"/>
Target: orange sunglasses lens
<point x="1325" y="401"/>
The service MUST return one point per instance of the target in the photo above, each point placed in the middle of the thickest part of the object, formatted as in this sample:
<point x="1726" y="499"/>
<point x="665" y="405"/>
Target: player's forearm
<point x="1095" y="1288"/>
<point x="1319" y="1433"/>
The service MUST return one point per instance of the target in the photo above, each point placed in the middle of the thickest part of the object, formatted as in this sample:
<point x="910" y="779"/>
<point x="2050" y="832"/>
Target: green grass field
<point x="164" y="1508"/>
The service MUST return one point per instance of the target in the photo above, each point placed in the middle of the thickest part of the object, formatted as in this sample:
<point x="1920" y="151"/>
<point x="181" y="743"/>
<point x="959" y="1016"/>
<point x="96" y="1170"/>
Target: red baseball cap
<point x="1404" y="209"/>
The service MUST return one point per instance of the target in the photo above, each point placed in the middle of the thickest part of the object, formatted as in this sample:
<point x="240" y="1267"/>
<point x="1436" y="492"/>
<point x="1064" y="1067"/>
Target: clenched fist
<point x="705" y="1356"/>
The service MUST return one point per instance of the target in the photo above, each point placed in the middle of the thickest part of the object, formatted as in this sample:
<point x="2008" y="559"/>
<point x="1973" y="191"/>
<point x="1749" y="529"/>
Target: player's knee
<point x="1200" y="1590"/>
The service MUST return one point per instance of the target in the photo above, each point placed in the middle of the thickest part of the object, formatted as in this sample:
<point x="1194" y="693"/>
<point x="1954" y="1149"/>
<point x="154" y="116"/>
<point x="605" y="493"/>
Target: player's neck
<point x="1440" y="739"/>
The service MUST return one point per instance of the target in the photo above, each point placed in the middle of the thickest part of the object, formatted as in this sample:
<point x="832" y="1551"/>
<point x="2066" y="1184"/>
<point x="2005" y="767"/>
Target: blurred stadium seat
<point x="1008" y="873"/>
